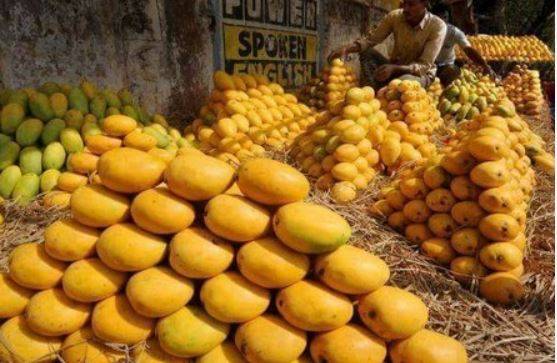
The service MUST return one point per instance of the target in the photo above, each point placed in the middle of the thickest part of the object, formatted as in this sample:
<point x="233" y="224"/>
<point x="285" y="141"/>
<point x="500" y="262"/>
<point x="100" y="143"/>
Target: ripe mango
<point x="14" y="298"/>
<point x="82" y="163"/>
<point x="438" y="249"/>
<point x="90" y="128"/>
<point x="223" y="353"/>
<point x="57" y="199"/>
<point x="8" y="180"/>
<point x="68" y="240"/>
<point x="501" y="256"/>
<point x="190" y="332"/>
<point x="501" y="288"/>
<point x="11" y="117"/>
<point x="428" y="346"/>
<point x="467" y="213"/>
<point x="499" y="227"/>
<point x="82" y="343"/>
<point x="100" y="144"/>
<point x="97" y="206"/>
<point x="89" y="280"/>
<point x="137" y="139"/>
<point x="312" y="306"/>
<point x="118" y="125"/>
<point x="31" y="267"/>
<point x="58" y="104"/>
<point x="69" y="182"/>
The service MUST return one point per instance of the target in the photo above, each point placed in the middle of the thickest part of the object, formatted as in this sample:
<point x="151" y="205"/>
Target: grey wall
<point x="161" y="49"/>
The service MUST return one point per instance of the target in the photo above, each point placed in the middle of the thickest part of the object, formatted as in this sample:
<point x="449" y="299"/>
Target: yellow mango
<point x="68" y="240"/>
<point x="126" y="247"/>
<point x="501" y="256"/>
<point x="257" y="338"/>
<point x="348" y="344"/>
<point x="417" y="233"/>
<point x="114" y="168"/>
<point x="311" y="306"/>
<point x="416" y="211"/>
<point x="487" y="148"/>
<point x="392" y="313"/>
<point x="499" y="200"/>
<point x="231" y="298"/>
<point x="442" y="225"/>
<point x="352" y="270"/>
<point x="499" y="227"/>
<point x="490" y="174"/>
<point x="467" y="241"/>
<point x="13" y="298"/>
<point x="83" y="162"/>
<point x="56" y="198"/>
<point x="90" y="280"/>
<point x="438" y="249"/>
<point x="190" y="332"/>
<point x="501" y="288"/>
<point x="466" y="268"/>
<point x="31" y="267"/>
<point x="99" y="144"/>
<point x="158" y="291"/>
<point x="463" y="188"/>
<point x="153" y="353"/>
<point x="324" y="232"/>
<point x="390" y="150"/>
<point x="51" y="313"/>
<point x="114" y="320"/>
<point x="118" y="125"/>
<point x="395" y="199"/>
<point x="440" y="200"/>
<point x="140" y="140"/>
<point x="269" y="263"/>
<point x="82" y="347"/>
<point x="159" y="211"/>
<point x="97" y="206"/>
<point x="223" y="353"/>
<point x="21" y="345"/>
<point x="197" y="177"/>
<point x="428" y="346"/>
<point x="69" y="182"/>
<point x="467" y="213"/>
<point x="458" y="162"/>
<point x="397" y="221"/>
<point x="413" y="188"/>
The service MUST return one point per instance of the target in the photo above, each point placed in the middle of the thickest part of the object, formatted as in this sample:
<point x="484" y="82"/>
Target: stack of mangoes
<point x="523" y="86"/>
<point x="41" y="130"/>
<point x="126" y="266"/>
<point x="435" y="90"/>
<point x="526" y="48"/>
<point x="468" y="96"/>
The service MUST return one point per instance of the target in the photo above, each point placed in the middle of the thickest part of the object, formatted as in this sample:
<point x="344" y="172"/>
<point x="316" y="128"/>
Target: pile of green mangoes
<point x="41" y="128"/>
<point x="468" y="95"/>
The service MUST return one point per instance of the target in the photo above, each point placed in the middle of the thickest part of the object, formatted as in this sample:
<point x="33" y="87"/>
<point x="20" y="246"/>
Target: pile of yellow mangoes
<point x="468" y="96"/>
<point x="245" y="115"/>
<point x="523" y="87"/>
<point x="328" y="89"/>
<point x="138" y="262"/>
<point x="466" y="207"/>
<point x="527" y="48"/>
<point x="46" y="132"/>
<point x="435" y="90"/>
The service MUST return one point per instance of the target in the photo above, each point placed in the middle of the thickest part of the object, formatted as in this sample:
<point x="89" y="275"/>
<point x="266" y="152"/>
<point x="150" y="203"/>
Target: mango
<point x="98" y="105"/>
<point x="352" y="270"/>
<point x="311" y="306"/>
<point x="68" y="240"/>
<point x="74" y="119"/>
<point x="197" y="177"/>
<point x="490" y="174"/>
<point x="162" y="139"/>
<point x="51" y="131"/>
<point x="4" y="139"/>
<point x="29" y="132"/>
<point x="153" y="353"/>
<point x="58" y="104"/>
<point x="88" y="88"/>
<point x="159" y="211"/>
<point x="140" y="140"/>
<point x="26" y="188"/>
<point x="466" y="268"/>
<point x="467" y="213"/>
<point x="97" y="206"/>
<point x="54" y="156"/>
<point x="24" y="344"/>
<point x="11" y="117"/>
<point x="13" y="298"/>
<point x="114" y="165"/>
<point x="348" y="344"/>
<point x="392" y="313"/>
<point x="501" y="288"/>
<point x="82" y="162"/>
<point x="39" y="105"/>
<point x="31" y="267"/>
<point x="20" y="97"/>
<point x="114" y="320"/>
<point x="49" y="180"/>
<point x="82" y="347"/>
<point x="236" y="218"/>
<point x="52" y="313"/>
<point x="256" y="340"/>
<point x="231" y="298"/>
<point x="501" y="256"/>
<point x="99" y="144"/>
<point x="70" y="182"/>
<point x="89" y="280"/>
<point x="130" y="111"/>
<point x="223" y="353"/>
<point x="190" y="332"/>
<point x="499" y="227"/>
<point x="78" y="100"/>
<point x="463" y="188"/>
<point x="324" y="232"/>
<point x="112" y="99"/>
<point x="71" y="140"/>
<point x="268" y="263"/>
<point x="197" y="253"/>
<point x="416" y="211"/>
<point x="429" y="346"/>
<point x="118" y="125"/>
<point x="158" y="291"/>
<point x="89" y="129"/>
<point x="8" y="180"/>
<point x="30" y="160"/>
<point x="5" y="96"/>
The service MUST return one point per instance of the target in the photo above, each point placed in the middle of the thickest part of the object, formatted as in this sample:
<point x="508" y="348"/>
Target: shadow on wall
<point x="159" y="49"/>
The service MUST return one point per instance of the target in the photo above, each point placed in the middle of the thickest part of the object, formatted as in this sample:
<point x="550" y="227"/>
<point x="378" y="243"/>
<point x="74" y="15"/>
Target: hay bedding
<point x="521" y="333"/>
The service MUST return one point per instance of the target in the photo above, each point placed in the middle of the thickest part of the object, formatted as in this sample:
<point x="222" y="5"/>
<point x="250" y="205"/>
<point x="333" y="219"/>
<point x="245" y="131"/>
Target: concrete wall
<point x="161" y="49"/>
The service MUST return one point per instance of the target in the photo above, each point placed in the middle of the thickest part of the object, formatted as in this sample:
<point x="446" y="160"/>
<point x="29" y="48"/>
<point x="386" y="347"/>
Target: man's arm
<point x="477" y="58"/>
<point x="374" y="37"/>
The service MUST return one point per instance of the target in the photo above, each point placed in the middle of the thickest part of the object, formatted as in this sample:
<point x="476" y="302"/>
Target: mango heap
<point x="468" y="96"/>
<point x="467" y="207"/>
<point x="125" y="267"/>
<point x="328" y="89"/>
<point x="246" y="115"/>
<point x="523" y="87"/>
<point x="435" y="90"/>
<point x="527" y="48"/>
<point x="54" y="133"/>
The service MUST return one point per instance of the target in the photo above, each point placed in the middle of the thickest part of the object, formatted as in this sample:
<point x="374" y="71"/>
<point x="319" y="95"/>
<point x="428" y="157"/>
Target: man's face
<point x="413" y="10"/>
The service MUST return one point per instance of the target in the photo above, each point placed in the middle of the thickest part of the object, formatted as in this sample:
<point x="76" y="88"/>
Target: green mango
<point x="49" y="88"/>
<point x="59" y="104"/>
<point x="4" y="139"/>
<point x="112" y="99"/>
<point x="112" y="111"/>
<point x="5" y="95"/>
<point x="162" y="139"/>
<point x="49" y="180"/>
<point x="78" y="100"/>
<point x="462" y="112"/>
<point x="51" y="131"/>
<point x="473" y="112"/>
<point x="26" y="188"/>
<point x="89" y="89"/>
<point x="90" y="118"/>
<point x="21" y="97"/>
<point x="71" y="140"/>
<point x="65" y="88"/>
<point x="9" y="153"/>
<point x="39" y="104"/>
<point x="159" y="119"/>
<point x="481" y="103"/>
<point x="463" y="96"/>
<point x="130" y="111"/>
<point x="31" y="160"/>
<point x="54" y="156"/>
<point x="29" y="132"/>
<point x="454" y="108"/>
<point x="90" y="128"/>
<point x="74" y="118"/>
<point x="8" y="179"/>
<point x="11" y="117"/>
<point x="126" y="97"/>
<point x="98" y="106"/>
<point x="144" y="117"/>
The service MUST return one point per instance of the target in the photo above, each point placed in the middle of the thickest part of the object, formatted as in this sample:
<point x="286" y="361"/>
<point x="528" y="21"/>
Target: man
<point x="447" y="70"/>
<point x="418" y="37"/>
<point x="462" y="14"/>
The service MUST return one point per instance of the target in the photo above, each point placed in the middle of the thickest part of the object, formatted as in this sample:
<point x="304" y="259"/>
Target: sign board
<point x="277" y="38"/>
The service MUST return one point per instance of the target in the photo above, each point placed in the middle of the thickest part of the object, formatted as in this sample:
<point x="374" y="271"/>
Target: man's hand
<point x="384" y="72"/>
